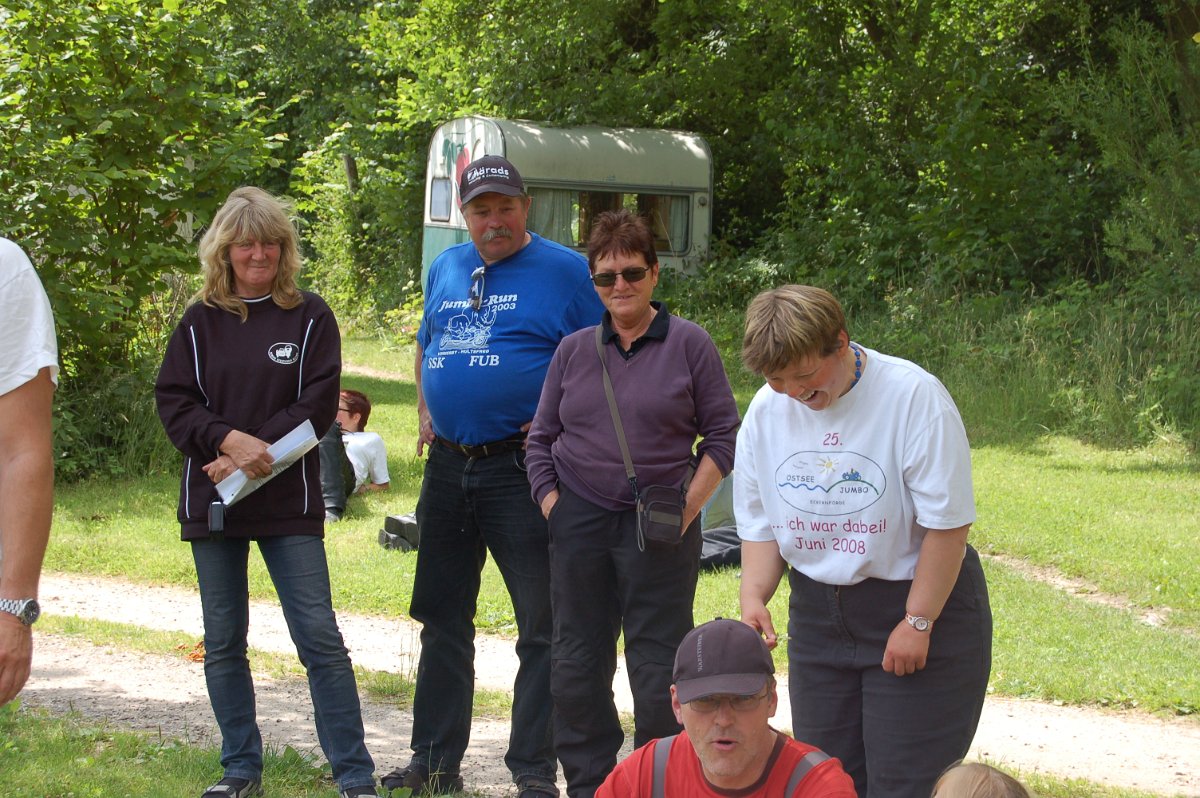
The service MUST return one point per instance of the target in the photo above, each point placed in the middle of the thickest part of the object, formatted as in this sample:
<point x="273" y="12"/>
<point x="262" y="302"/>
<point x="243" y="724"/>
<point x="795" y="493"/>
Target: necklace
<point x="857" y="367"/>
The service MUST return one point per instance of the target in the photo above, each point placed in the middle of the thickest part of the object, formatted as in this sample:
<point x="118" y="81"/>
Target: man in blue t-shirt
<point x="495" y="309"/>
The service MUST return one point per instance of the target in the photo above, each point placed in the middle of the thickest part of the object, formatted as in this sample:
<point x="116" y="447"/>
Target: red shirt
<point x="684" y="779"/>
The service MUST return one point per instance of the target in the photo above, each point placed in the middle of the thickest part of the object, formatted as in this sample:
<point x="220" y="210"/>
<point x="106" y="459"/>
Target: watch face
<point x="30" y="612"/>
<point x="921" y="624"/>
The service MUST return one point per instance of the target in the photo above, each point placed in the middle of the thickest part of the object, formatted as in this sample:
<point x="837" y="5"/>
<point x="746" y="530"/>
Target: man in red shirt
<point x="724" y="695"/>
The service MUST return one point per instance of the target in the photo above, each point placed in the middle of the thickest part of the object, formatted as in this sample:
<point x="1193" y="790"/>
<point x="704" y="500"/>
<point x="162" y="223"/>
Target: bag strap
<point x="658" y="778"/>
<point x="802" y="769"/>
<point x="616" y="414"/>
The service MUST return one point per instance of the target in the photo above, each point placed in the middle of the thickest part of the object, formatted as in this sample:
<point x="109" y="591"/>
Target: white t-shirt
<point x="368" y="455"/>
<point x="27" y="343"/>
<point x="848" y="492"/>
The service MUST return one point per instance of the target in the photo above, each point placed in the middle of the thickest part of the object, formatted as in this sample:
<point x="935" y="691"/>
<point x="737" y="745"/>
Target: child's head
<point x="977" y="780"/>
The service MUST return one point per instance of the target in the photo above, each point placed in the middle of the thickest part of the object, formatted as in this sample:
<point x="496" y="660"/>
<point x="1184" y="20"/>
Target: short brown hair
<point x="977" y="780"/>
<point x="358" y="404"/>
<point x="620" y="233"/>
<point x="789" y="323"/>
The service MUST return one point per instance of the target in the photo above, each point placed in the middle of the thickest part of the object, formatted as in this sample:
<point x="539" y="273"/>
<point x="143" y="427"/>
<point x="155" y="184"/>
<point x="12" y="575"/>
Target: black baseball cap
<point x="491" y="173"/>
<point x="721" y="657"/>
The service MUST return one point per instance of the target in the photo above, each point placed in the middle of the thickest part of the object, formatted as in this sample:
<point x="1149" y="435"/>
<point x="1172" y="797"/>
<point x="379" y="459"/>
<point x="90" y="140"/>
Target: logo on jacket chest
<point x="284" y="354"/>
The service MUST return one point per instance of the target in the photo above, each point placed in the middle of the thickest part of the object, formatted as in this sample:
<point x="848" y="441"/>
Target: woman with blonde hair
<point x="253" y="358"/>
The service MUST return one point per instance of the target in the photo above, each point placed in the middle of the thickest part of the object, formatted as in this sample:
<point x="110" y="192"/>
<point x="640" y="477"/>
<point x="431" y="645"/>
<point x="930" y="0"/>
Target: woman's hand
<point x="548" y="502"/>
<point x="248" y="453"/>
<point x="756" y="614"/>
<point x="220" y="468"/>
<point x="907" y="649"/>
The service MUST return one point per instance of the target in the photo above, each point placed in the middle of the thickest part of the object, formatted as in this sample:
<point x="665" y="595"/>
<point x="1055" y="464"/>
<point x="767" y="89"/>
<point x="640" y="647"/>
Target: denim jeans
<point x="894" y="734"/>
<point x="467" y="507"/>
<point x="602" y="585"/>
<point x="301" y="577"/>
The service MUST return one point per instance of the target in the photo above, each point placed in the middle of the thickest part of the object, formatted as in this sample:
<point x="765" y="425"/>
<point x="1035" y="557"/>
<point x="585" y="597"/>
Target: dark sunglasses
<point x="475" y="294"/>
<point x="634" y="274"/>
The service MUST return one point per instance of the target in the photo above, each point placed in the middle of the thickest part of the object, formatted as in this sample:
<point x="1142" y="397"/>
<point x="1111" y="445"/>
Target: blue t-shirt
<point x="483" y="369"/>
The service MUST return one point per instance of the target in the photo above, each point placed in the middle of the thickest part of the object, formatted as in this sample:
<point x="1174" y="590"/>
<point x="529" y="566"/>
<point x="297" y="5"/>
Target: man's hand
<point x="16" y="652"/>
<point x="907" y="650"/>
<point x="248" y="453"/>
<point x="425" y="436"/>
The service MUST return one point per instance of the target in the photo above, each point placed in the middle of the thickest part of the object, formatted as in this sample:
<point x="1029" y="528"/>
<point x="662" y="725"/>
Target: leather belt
<point x="485" y="449"/>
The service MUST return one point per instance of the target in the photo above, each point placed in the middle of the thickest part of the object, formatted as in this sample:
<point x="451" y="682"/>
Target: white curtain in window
<point x="679" y="220"/>
<point x="552" y="214"/>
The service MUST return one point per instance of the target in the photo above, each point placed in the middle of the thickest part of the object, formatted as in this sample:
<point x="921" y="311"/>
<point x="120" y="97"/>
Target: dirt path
<point x="166" y="695"/>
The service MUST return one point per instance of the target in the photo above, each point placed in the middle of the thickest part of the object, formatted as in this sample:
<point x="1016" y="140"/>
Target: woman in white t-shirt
<point x="854" y="478"/>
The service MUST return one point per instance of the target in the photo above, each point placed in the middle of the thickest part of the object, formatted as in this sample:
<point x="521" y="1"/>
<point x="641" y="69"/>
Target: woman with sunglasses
<point x="669" y="388"/>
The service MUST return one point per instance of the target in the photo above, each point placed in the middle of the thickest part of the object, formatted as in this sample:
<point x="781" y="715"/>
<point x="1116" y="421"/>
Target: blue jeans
<point x="467" y="507"/>
<point x="301" y="577"/>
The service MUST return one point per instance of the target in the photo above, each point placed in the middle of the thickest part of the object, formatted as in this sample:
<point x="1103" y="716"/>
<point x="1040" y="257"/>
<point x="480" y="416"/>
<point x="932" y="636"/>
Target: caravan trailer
<point x="573" y="174"/>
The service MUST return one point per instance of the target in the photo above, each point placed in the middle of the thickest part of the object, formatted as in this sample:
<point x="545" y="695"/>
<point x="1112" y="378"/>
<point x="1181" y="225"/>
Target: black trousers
<point x="894" y="734"/>
<point x="601" y="585"/>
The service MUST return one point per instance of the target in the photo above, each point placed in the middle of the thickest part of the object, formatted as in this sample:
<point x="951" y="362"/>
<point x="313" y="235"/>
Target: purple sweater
<point x="669" y="392"/>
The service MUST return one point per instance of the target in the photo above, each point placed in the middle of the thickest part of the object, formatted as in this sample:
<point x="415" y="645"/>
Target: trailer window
<point x="566" y="215"/>
<point x="441" y="194"/>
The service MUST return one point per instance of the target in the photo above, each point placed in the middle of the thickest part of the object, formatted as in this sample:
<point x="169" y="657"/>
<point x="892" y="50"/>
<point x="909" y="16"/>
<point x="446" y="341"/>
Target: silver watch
<point x="918" y="623"/>
<point x="26" y="610"/>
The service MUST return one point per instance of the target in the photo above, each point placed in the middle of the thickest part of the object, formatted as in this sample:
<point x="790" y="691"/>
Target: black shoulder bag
<point x="659" y="507"/>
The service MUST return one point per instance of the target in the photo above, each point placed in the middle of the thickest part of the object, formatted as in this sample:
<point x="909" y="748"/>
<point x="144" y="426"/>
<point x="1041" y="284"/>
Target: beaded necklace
<point x="857" y="367"/>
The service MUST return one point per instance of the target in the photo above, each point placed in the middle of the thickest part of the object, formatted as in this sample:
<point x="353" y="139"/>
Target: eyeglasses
<point x="475" y="294"/>
<point x="738" y="703"/>
<point x="634" y="274"/>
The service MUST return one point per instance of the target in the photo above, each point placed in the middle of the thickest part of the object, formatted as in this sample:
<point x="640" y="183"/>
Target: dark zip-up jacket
<point x="263" y="377"/>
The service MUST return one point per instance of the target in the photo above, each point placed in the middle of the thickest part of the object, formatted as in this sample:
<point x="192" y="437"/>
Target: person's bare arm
<point x="762" y="568"/>
<point x="938" y="565"/>
<point x="26" y="505"/>
<point x="424" y="420"/>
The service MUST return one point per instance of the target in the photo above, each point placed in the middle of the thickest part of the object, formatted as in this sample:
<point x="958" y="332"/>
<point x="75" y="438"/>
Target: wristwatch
<point x="26" y="610"/>
<point x="918" y="623"/>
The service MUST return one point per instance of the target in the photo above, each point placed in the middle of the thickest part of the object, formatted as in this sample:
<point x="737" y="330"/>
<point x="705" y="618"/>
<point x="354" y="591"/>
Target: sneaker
<point x="421" y="781"/>
<point x="231" y="787"/>
<point x="332" y="517"/>
<point x="358" y="792"/>
<point x="536" y="787"/>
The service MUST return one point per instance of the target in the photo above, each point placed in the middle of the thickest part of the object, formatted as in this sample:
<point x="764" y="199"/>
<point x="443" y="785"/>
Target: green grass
<point x="1124" y="521"/>
<point x="68" y="757"/>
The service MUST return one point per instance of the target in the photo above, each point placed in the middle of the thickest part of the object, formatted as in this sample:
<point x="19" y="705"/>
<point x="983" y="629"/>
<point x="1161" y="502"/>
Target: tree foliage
<point x="121" y="133"/>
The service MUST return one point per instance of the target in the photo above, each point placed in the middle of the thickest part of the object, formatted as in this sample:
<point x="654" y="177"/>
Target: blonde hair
<point x="977" y="780"/>
<point x="249" y="214"/>
<point x="789" y="323"/>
